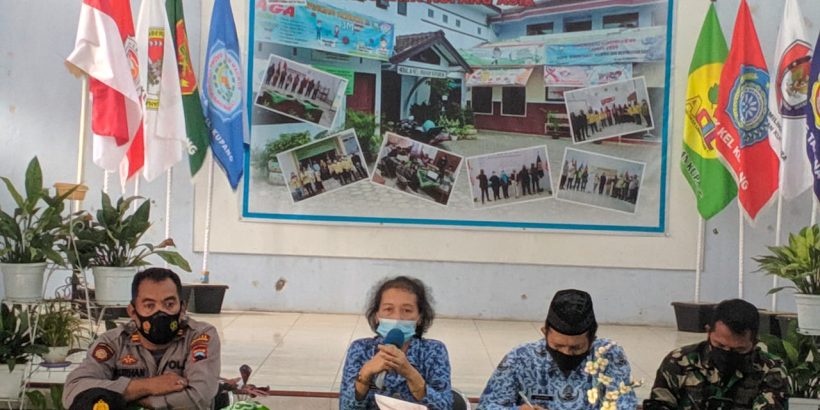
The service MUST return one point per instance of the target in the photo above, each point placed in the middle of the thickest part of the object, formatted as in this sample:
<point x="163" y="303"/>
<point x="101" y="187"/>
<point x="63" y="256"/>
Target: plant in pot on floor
<point x="802" y="364"/>
<point x="111" y="246"/>
<point x="29" y="236"/>
<point x="798" y="262"/>
<point x="60" y="329"/>
<point x="16" y="347"/>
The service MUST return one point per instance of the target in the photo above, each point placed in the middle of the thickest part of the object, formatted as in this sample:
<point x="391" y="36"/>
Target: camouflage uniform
<point x="686" y="380"/>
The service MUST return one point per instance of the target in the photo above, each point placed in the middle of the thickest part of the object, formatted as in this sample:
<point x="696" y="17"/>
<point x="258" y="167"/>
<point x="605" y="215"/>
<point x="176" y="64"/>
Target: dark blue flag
<point x="223" y="98"/>
<point x="813" y="119"/>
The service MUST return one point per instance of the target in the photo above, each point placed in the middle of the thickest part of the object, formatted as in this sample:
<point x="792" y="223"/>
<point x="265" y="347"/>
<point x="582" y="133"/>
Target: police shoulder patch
<point x="102" y="352"/>
<point x="199" y="352"/>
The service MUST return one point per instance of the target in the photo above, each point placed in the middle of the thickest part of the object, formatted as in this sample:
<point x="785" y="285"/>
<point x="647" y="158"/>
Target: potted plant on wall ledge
<point x="60" y="330"/>
<point x="799" y="262"/>
<point x="800" y="359"/>
<point x="16" y="348"/>
<point x="29" y="236"/>
<point x="110" y="245"/>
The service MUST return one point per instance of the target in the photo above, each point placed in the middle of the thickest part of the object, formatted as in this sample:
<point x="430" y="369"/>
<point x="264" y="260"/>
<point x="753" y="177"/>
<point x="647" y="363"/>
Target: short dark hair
<point x="738" y="315"/>
<point x="155" y="275"/>
<point x="424" y="300"/>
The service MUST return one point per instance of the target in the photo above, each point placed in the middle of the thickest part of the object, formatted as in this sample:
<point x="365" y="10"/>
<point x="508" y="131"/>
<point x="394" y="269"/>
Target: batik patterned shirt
<point x="686" y="380"/>
<point x="428" y="356"/>
<point x="531" y="370"/>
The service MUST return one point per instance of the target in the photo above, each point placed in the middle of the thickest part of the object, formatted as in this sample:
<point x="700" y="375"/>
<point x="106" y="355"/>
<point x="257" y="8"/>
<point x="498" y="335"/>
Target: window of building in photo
<point x="445" y="18"/>
<point x="555" y="93"/>
<point x="659" y="18"/>
<point x="431" y="13"/>
<point x="458" y="23"/>
<point x="478" y="29"/>
<point x="540" y="28"/>
<point x="581" y="24"/>
<point x="514" y="101"/>
<point x="401" y="8"/>
<point x="482" y="100"/>
<point x="626" y="20"/>
<point x="382" y="4"/>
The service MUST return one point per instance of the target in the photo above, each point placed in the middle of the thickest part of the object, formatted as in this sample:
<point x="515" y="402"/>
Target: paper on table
<point x="389" y="403"/>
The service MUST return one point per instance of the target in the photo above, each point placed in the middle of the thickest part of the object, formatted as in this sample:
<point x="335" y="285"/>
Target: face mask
<point x="407" y="327"/>
<point x="159" y="328"/>
<point x="566" y="362"/>
<point x="726" y="361"/>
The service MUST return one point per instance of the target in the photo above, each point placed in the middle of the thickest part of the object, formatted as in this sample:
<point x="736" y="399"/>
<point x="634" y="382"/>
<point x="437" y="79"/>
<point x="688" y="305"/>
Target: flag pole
<point x="813" y="209"/>
<point x="741" y="231"/>
<point x="209" y="199"/>
<point x="698" y="270"/>
<point x="82" y="135"/>
<point x="168" y="178"/>
<point x="779" y="223"/>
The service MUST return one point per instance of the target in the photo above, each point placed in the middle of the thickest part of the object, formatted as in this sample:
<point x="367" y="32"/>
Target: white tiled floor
<point x="305" y="351"/>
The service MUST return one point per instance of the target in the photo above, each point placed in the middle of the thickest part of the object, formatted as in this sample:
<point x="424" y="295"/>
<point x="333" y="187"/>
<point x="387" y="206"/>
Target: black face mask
<point x="565" y="362"/>
<point x="726" y="361"/>
<point x="159" y="328"/>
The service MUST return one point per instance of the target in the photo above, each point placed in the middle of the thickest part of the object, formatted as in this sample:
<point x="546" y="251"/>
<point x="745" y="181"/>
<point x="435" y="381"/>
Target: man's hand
<point x="154" y="386"/>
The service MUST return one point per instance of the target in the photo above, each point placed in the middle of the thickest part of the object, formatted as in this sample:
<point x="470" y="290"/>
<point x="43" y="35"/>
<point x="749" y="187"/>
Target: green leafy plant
<point x="365" y="126"/>
<point x="30" y="234"/>
<point x="285" y="142"/>
<point x="15" y="336"/>
<point x="800" y="359"/>
<point x="797" y="261"/>
<point x="39" y="401"/>
<point x="113" y="237"/>
<point x="58" y="325"/>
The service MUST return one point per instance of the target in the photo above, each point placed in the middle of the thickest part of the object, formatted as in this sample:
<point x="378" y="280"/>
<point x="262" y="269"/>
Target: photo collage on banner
<point x="363" y="116"/>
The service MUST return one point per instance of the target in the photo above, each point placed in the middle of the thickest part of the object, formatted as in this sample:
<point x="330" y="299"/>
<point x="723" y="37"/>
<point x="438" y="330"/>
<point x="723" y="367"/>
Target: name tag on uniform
<point x="544" y="397"/>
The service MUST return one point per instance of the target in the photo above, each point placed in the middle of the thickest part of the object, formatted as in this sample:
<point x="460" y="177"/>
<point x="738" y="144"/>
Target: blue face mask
<point x="407" y="327"/>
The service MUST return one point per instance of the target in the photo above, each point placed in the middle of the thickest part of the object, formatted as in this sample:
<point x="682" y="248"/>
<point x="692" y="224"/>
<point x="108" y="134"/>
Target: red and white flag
<point x="105" y="49"/>
<point x="743" y="114"/>
<point x="164" y="138"/>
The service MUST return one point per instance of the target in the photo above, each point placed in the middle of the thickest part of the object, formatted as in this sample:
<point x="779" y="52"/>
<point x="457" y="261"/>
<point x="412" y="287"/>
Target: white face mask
<point x="407" y="327"/>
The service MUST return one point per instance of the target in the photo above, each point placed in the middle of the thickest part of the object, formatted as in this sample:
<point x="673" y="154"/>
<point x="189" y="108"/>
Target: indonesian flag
<point x="787" y="105"/>
<point x="743" y="133"/>
<point x="105" y="49"/>
<point x="164" y="122"/>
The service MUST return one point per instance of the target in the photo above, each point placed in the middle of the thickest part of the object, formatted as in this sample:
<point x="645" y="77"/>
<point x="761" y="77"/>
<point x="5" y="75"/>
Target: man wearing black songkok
<point x="566" y="369"/>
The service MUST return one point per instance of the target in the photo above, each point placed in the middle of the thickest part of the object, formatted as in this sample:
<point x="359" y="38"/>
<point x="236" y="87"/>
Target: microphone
<point x="396" y="338"/>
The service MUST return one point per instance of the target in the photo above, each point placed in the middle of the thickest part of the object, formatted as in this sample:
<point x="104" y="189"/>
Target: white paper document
<point x="389" y="403"/>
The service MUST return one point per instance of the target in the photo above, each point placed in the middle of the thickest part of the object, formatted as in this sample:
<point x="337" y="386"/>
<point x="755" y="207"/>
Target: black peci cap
<point x="571" y="313"/>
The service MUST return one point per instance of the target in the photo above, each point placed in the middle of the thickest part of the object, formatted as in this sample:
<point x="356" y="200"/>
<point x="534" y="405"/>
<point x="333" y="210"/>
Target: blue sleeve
<point x="436" y="365"/>
<point x="355" y="359"/>
<point x="501" y="392"/>
<point x="621" y="372"/>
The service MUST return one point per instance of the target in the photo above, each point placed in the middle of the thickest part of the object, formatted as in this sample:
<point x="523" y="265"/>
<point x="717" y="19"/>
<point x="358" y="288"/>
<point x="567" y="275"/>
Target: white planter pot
<point x="10" y="382"/>
<point x="56" y="354"/>
<point x="808" y="312"/>
<point x="23" y="282"/>
<point x="112" y="286"/>
<point x="804" y="404"/>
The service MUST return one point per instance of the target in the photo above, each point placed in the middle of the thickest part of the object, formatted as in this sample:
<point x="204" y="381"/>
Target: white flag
<point x="788" y="99"/>
<point x="164" y="122"/>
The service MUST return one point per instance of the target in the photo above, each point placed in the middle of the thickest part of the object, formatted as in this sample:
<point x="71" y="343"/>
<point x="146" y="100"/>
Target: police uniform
<point x="119" y="356"/>
<point x="686" y="380"/>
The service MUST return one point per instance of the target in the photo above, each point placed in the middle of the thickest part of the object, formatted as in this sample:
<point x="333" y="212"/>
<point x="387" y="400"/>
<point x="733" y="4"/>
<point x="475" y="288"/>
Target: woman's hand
<point x="396" y="360"/>
<point x="377" y="364"/>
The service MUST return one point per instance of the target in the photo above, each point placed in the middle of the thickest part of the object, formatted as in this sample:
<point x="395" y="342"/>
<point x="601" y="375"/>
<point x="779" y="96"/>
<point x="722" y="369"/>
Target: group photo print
<point x="300" y="91"/>
<point x="609" y="110"/>
<point x="323" y="166"/>
<point x="509" y="177"/>
<point x="600" y="181"/>
<point x="416" y="169"/>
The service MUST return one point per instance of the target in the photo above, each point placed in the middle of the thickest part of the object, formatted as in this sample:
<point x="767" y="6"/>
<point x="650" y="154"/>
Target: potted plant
<point x="800" y="360"/>
<point x="799" y="262"/>
<point x="59" y="329"/>
<point x="29" y="236"/>
<point x="110" y="245"/>
<point x="16" y="347"/>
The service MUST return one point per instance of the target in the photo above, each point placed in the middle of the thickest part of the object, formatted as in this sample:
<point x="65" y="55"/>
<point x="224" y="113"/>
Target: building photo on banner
<point x="463" y="116"/>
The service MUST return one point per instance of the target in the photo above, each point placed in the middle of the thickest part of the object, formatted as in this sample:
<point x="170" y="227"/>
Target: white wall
<point x="39" y="108"/>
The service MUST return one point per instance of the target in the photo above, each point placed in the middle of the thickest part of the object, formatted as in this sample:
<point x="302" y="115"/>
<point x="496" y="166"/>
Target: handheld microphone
<point x="396" y="338"/>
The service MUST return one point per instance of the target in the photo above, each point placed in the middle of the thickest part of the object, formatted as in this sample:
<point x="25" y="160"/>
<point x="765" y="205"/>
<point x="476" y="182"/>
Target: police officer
<point x="726" y="371"/>
<point x="158" y="360"/>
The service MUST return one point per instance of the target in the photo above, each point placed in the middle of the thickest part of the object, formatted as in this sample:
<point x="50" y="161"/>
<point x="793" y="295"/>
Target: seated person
<point x="158" y="360"/>
<point x="417" y="372"/>
<point x="726" y="371"/>
<point x="550" y="373"/>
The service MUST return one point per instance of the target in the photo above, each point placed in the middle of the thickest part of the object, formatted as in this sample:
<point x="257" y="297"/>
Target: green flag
<point x="197" y="130"/>
<point x="713" y="185"/>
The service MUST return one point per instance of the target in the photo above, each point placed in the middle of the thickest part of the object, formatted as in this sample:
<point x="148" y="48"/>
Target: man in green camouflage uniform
<point x="726" y="371"/>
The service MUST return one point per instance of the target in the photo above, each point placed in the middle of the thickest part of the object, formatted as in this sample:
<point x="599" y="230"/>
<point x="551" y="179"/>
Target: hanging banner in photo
<point x="583" y="76"/>
<point x="319" y="26"/>
<point x="502" y="77"/>
<point x="643" y="45"/>
<point x="488" y="55"/>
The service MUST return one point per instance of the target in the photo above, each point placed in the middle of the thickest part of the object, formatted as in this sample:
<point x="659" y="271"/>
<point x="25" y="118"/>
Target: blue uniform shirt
<point x="530" y="369"/>
<point x="428" y="356"/>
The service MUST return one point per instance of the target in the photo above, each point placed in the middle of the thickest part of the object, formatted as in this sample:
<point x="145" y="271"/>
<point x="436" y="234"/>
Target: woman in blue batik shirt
<point x="417" y="372"/>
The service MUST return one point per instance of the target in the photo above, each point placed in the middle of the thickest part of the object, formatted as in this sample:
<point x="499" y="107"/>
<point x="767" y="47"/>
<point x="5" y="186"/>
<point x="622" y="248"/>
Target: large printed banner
<point x="582" y="76"/>
<point x="500" y="77"/>
<point x="640" y="45"/>
<point x="319" y="26"/>
<point x="529" y="54"/>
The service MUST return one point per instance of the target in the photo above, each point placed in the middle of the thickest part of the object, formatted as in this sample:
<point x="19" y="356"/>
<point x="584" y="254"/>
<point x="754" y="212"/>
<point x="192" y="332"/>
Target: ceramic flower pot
<point x="23" y="282"/>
